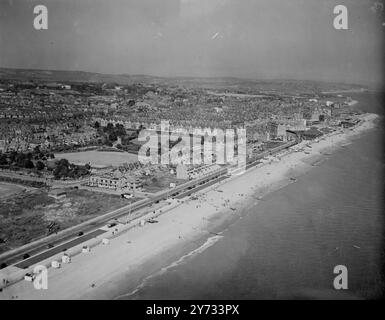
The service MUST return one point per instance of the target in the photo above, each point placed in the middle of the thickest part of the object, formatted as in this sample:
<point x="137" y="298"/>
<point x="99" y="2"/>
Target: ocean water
<point x="287" y="246"/>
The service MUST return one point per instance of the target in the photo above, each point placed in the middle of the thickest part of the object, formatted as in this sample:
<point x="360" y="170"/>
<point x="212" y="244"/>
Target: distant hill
<point x="231" y="83"/>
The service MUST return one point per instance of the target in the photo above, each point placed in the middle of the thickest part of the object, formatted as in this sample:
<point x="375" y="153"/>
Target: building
<point x="123" y="183"/>
<point x="310" y="134"/>
<point x="254" y="148"/>
<point x="272" y="129"/>
<point x="200" y="172"/>
<point x="296" y="124"/>
<point x="3" y="146"/>
<point x="281" y="132"/>
<point x="103" y="182"/>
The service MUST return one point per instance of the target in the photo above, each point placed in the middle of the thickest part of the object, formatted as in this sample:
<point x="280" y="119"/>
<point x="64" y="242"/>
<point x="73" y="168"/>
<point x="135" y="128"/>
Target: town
<point x="191" y="150"/>
<point x="69" y="149"/>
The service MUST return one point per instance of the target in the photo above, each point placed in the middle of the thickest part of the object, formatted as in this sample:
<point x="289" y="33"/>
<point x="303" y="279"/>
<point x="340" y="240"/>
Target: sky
<point x="257" y="39"/>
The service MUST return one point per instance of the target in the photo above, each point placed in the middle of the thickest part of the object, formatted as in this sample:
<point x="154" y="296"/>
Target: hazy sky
<point x="242" y="38"/>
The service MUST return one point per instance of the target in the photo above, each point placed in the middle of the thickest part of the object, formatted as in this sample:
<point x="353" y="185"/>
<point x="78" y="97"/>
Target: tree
<point x="97" y="125"/>
<point x="60" y="172"/>
<point x="40" y="165"/>
<point x="63" y="163"/>
<point x="112" y="137"/>
<point x="120" y="130"/>
<point x="61" y="169"/>
<point x="20" y="159"/>
<point x="28" y="164"/>
<point x="110" y="126"/>
<point x="12" y="156"/>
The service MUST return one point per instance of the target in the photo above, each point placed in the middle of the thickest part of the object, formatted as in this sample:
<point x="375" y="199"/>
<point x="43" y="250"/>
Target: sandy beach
<point x="141" y="251"/>
<point x="8" y="189"/>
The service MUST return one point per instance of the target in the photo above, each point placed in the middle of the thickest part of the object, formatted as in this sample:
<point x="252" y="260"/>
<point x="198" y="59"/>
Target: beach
<point x="98" y="158"/>
<point x="192" y="225"/>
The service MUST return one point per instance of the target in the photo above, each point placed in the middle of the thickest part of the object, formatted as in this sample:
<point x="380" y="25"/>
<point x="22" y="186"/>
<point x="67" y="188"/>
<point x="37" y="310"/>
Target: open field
<point x="7" y="189"/>
<point x="132" y="255"/>
<point x="98" y="158"/>
<point x="25" y="217"/>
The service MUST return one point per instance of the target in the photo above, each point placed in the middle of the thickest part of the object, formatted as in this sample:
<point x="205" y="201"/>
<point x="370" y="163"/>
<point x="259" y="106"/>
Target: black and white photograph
<point x="192" y="150"/>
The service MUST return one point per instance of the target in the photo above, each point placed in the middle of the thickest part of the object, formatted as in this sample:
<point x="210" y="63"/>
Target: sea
<point x="288" y="245"/>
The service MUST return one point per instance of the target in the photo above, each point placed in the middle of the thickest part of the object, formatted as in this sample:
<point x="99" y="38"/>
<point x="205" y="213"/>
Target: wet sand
<point x="9" y="189"/>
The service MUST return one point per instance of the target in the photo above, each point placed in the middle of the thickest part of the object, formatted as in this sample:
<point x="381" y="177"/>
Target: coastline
<point x="8" y="189"/>
<point x="138" y="253"/>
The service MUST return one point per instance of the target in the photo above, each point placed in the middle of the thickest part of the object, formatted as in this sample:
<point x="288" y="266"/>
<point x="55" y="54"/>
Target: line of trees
<point x="37" y="160"/>
<point x="65" y="169"/>
<point x="110" y="134"/>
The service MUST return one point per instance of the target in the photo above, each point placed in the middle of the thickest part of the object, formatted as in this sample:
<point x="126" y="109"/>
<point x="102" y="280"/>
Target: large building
<point x="272" y="129"/>
<point x="123" y="183"/>
<point x="200" y="172"/>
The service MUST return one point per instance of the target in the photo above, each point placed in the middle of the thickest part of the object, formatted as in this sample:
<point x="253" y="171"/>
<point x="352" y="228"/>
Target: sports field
<point x="98" y="158"/>
<point x="7" y="189"/>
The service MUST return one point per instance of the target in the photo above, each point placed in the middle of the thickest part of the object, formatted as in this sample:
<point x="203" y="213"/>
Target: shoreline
<point x="11" y="189"/>
<point x="139" y="254"/>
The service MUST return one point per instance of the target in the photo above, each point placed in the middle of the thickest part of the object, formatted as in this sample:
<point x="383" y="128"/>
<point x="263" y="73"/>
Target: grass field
<point x="7" y="190"/>
<point x="98" y="158"/>
<point x="25" y="217"/>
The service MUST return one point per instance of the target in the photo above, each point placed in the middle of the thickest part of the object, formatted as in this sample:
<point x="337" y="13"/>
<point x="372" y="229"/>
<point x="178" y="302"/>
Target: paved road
<point x="190" y="192"/>
<point x="64" y="246"/>
<point x="65" y="238"/>
<point x="61" y="248"/>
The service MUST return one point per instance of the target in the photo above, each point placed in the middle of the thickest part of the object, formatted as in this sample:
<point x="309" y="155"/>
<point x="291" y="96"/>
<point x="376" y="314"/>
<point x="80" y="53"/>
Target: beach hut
<point x="142" y="223"/>
<point x="55" y="264"/>
<point x="105" y="241"/>
<point x="86" y="249"/>
<point x="58" y="194"/>
<point x="28" y="277"/>
<point x="65" y="259"/>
